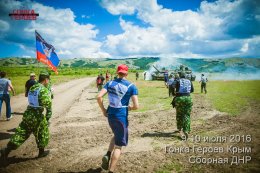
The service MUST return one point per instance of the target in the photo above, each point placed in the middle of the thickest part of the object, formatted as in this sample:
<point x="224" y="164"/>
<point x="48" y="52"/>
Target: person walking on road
<point x="29" y="83"/>
<point x="100" y="82"/>
<point x="183" y="104"/>
<point x="33" y="121"/>
<point x="5" y="86"/>
<point x="203" y="82"/>
<point x="120" y="91"/>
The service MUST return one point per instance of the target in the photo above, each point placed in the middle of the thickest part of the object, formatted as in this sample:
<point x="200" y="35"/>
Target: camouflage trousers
<point x="183" y="109"/>
<point x="33" y="122"/>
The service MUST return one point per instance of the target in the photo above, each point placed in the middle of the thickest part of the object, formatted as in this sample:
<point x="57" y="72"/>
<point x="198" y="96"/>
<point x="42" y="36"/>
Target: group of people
<point x="100" y="80"/>
<point x="34" y="121"/>
<point x="119" y="91"/>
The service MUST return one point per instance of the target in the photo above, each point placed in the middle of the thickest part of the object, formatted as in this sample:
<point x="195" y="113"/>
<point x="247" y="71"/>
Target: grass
<point x="167" y="168"/>
<point x="233" y="97"/>
<point x="153" y="95"/>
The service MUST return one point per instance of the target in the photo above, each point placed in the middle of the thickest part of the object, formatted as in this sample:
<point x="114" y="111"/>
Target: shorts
<point x="120" y="130"/>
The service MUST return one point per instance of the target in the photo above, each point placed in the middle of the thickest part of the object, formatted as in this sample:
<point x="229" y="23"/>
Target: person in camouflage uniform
<point x="183" y="104"/>
<point x="49" y="87"/>
<point x="34" y="121"/>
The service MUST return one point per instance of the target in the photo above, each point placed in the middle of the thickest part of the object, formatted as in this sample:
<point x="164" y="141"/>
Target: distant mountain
<point x="134" y="63"/>
<point x="242" y="65"/>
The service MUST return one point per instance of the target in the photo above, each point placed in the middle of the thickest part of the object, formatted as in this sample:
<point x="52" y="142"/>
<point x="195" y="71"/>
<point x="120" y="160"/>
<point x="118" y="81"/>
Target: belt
<point x="182" y="94"/>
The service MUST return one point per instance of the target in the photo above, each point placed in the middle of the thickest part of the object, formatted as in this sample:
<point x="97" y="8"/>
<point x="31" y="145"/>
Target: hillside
<point x="241" y="65"/>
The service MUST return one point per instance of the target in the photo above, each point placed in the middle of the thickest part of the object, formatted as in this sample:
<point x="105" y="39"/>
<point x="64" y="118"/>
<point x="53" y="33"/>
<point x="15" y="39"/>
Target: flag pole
<point x="38" y="65"/>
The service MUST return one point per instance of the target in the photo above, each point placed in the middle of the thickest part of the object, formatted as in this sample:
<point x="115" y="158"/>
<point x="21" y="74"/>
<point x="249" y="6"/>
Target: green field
<point x="232" y="97"/>
<point x="19" y="75"/>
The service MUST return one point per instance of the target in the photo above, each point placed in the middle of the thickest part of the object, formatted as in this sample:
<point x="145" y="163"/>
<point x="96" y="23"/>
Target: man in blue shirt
<point x="5" y="84"/>
<point x="119" y="92"/>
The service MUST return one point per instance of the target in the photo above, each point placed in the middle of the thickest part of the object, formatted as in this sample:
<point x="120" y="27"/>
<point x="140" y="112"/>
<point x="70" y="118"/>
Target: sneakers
<point x="43" y="153"/>
<point x="8" y="119"/>
<point x="105" y="162"/>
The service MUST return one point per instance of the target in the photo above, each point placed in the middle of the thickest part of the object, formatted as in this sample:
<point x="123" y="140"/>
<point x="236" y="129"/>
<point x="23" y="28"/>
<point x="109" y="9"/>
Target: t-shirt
<point x="204" y="79"/>
<point x="4" y="84"/>
<point x="119" y="93"/>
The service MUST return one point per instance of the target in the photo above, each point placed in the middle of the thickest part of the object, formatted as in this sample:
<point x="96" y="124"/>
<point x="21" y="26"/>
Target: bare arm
<point x="135" y="103"/>
<point x="12" y="88"/>
<point x="100" y="101"/>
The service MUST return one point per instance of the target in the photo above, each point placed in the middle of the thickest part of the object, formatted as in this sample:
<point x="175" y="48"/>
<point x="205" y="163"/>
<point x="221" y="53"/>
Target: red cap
<point x="122" y="69"/>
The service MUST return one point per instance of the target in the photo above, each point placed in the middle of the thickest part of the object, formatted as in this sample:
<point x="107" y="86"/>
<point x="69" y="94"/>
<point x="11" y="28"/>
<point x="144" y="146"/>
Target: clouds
<point x="223" y="28"/>
<point x="57" y="26"/>
<point x="220" y="29"/>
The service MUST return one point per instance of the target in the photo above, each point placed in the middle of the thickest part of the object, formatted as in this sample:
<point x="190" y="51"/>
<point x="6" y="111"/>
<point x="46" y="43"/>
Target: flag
<point x="46" y="53"/>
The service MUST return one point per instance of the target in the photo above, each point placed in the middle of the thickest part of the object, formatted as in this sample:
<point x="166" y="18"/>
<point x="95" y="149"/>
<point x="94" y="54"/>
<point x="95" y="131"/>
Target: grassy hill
<point x="241" y="65"/>
<point x="134" y="63"/>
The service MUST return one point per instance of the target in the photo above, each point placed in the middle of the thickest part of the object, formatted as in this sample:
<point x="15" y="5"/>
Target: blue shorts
<point x="120" y="130"/>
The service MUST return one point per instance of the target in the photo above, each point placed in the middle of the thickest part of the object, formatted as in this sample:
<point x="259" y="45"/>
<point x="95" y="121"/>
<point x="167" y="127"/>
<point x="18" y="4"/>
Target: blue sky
<point x="133" y="28"/>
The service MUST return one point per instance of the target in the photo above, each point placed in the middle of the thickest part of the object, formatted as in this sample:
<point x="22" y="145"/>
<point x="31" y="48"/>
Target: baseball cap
<point x="122" y="69"/>
<point x="32" y="74"/>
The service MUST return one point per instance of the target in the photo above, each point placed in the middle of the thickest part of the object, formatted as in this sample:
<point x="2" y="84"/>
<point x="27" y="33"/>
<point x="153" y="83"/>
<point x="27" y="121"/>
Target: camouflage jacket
<point x="44" y="99"/>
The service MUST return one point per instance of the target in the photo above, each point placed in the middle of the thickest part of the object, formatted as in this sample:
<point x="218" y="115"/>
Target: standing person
<point x="183" y="104"/>
<point x="107" y="76"/>
<point x="166" y="77"/>
<point x="100" y="82"/>
<point x="203" y="85"/>
<point x="119" y="92"/>
<point x="144" y="75"/>
<point x="33" y="119"/>
<point x="170" y="85"/>
<point x="5" y="85"/>
<point x="136" y="75"/>
<point x="29" y="83"/>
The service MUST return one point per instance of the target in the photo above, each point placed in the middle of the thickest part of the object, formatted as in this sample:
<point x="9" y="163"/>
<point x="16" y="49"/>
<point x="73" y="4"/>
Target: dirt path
<point x="80" y="135"/>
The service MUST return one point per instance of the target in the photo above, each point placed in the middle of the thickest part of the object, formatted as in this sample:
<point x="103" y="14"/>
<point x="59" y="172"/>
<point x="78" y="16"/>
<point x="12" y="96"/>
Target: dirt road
<point x="80" y="135"/>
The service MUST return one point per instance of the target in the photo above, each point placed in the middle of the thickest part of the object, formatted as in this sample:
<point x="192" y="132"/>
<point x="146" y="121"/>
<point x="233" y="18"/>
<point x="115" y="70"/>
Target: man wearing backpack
<point x="100" y="82"/>
<point x="183" y="104"/>
<point x="119" y="92"/>
<point x="203" y="81"/>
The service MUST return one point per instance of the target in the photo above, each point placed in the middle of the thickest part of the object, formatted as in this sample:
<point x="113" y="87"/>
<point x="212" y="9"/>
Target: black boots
<point x="43" y="153"/>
